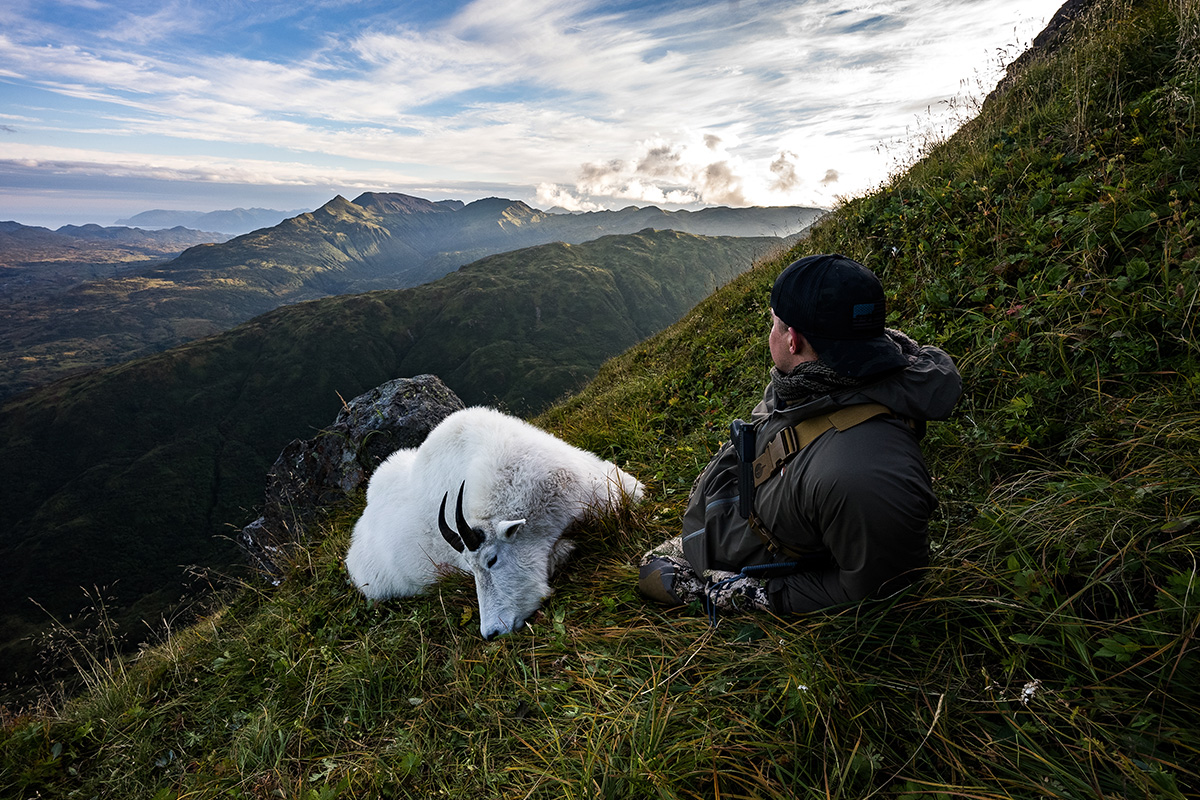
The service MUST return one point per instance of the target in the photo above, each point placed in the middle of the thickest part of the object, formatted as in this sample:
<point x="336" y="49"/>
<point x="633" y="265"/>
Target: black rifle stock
<point x="742" y="435"/>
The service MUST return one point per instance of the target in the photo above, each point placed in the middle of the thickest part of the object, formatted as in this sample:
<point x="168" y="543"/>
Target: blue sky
<point x="112" y="108"/>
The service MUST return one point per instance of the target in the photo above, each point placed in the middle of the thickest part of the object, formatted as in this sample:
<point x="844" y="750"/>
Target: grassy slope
<point x="1051" y="246"/>
<point x="122" y="477"/>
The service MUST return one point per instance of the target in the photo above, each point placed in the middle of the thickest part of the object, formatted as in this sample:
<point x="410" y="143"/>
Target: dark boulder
<point x="314" y="474"/>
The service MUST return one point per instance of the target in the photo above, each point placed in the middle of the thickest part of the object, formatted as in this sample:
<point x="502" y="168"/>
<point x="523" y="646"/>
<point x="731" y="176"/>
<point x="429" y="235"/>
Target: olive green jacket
<point x="856" y="501"/>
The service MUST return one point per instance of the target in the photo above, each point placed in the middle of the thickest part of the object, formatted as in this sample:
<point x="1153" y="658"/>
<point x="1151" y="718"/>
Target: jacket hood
<point x="928" y="389"/>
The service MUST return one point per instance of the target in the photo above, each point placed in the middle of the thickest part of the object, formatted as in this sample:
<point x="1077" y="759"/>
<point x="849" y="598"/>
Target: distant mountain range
<point x="35" y="261"/>
<point x="232" y="221"/>
<point x="379" y="241"/>
<point x="29" y="243"/>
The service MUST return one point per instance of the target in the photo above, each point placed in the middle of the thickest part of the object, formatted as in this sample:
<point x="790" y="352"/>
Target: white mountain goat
<point x="517" y="488"/>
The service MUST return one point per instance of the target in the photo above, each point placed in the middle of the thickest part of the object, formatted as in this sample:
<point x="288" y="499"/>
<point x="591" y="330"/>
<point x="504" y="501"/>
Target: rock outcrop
<point x="312" y="474"/>
<point x="1052" y="37"/>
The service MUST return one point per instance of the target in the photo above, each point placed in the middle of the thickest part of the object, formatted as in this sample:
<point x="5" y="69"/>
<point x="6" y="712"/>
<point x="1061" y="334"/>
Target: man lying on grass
<point x="823" y="498"/>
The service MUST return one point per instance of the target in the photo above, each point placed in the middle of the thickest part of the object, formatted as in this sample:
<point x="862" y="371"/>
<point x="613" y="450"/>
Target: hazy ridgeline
<point x="52" y="327"/>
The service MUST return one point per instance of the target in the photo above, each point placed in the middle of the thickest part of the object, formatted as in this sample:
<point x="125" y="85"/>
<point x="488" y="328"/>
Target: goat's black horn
<point x="470" y="537"/>
<point x="452" y="538"/>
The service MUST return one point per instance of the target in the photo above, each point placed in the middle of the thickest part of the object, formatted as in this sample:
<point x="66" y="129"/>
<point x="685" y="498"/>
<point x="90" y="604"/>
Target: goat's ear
<point x="510" y="527"/>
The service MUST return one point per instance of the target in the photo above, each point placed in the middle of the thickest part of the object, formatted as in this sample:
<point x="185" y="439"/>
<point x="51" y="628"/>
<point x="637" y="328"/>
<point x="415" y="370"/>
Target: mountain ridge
<point x="1051" y="247"/>
<point x="230" y="222"/>
<point x="31" y="245"/>
<point x="391" y="241"/>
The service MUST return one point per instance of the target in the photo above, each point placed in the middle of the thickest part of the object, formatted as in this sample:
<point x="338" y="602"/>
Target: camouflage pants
<point x="727" y="591"/>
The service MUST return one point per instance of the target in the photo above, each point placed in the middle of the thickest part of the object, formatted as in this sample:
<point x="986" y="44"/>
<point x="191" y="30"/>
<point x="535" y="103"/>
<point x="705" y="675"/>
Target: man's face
<point x="781" y="344"/>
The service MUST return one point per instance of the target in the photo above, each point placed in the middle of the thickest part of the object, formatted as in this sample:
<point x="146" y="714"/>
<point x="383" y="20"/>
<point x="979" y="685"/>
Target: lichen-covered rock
<point x="313" y="474"/>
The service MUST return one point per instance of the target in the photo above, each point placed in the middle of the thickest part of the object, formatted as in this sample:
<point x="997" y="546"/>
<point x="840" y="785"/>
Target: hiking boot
<point x="666" y="577"/>
<point x="656" y="580"/>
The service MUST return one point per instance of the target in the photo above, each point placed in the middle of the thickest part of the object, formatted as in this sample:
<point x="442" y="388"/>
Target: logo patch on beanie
<point x="867" y="319"/>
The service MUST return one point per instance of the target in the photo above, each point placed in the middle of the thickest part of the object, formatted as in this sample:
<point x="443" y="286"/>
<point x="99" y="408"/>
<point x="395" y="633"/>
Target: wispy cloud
<point x="580" y="103"/>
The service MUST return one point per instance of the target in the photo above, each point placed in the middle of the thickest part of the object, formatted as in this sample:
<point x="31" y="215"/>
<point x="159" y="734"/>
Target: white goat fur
<point x="523" y="487"/>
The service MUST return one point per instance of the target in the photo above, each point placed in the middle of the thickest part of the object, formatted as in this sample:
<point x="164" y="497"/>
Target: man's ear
<point x="804" y="348"/>
<point x="796" y="341"/>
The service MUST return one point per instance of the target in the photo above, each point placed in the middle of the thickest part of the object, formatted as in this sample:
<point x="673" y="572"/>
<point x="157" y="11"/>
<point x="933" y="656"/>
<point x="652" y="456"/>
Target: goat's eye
<point x="491" y="562"/>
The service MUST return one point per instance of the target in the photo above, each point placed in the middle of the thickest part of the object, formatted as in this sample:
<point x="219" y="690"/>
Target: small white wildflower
<point x="1029" y="691"/>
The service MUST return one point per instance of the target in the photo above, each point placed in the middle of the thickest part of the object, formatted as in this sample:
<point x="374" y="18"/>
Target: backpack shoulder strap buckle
<point x="795" y="438"/>
<point x="782" y="446"/>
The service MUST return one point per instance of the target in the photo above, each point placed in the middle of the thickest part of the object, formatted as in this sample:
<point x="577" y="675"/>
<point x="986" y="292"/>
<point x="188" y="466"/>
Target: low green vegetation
<point x="117" y="480"/>
<point x="1051" y="246"/>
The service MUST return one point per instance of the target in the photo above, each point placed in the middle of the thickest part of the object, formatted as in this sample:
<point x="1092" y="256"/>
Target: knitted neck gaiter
<point x="814" y="379"/>
<point x="807" y="381"/>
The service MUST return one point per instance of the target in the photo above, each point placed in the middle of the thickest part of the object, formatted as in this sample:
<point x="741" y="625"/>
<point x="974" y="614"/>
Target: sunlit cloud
<point x="579" y="104"/>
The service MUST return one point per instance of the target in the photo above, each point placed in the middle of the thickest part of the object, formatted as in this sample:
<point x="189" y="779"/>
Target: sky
<point x="108" y="109"/>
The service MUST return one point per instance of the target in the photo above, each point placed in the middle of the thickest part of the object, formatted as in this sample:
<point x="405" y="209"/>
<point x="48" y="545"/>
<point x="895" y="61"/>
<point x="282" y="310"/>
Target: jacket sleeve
<point x="872" y="513"/>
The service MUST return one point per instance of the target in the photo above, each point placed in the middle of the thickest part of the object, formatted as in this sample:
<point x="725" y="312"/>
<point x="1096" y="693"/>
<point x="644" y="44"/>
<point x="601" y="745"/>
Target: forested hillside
<point x="381" y="240"/>
<point x="120" y="480"/>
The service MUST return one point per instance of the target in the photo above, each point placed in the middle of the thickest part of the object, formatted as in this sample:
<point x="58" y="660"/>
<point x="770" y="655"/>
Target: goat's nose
<point x="501" y="629"/>
<point x="496" y="629"/>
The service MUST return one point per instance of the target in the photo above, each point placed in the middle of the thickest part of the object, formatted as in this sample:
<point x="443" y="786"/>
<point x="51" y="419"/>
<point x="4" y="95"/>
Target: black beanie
<point x="839" y="306"/>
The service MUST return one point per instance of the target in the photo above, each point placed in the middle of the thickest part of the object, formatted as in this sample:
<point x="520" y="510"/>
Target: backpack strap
<point x="793" y="439"/>
<point x="786" y="444"/>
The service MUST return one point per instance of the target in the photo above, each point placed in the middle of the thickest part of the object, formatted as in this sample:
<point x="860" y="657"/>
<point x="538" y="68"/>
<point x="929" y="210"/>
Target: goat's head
<point x="512" y="568"/>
